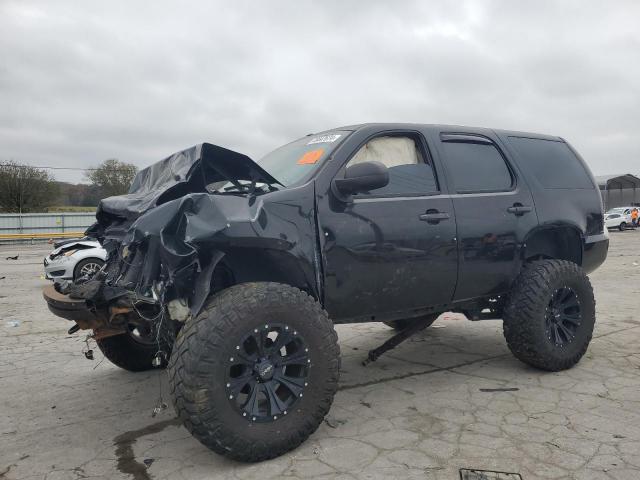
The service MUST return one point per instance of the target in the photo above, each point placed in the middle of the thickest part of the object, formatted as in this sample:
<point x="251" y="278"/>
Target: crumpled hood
<point x="72" y="245"/>
<point x="187" y="171"/>
<point x="165" y="237"/>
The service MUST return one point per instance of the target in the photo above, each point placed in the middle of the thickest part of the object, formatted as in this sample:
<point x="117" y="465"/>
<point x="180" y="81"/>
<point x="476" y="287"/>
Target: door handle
<point x="518" y="209"/>
<point x="434" y="216"/>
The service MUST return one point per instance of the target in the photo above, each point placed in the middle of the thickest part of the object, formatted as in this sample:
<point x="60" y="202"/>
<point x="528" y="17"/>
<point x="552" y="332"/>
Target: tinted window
<point x="476" y="167"/>
<point x="409" y="171"/>
<point x="552" y="163"/>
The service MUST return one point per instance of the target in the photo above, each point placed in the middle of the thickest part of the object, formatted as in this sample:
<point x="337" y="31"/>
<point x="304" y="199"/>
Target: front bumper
<point x="72" y="309"/>
<point x="59" y="268"/>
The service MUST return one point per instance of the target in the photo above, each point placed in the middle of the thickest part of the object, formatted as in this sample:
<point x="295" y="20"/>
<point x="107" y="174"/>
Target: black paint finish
<point x="364" y="257"/>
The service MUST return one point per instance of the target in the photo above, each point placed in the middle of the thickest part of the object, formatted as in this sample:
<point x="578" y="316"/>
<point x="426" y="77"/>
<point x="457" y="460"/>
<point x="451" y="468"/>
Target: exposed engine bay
<point x="165" y="238"/>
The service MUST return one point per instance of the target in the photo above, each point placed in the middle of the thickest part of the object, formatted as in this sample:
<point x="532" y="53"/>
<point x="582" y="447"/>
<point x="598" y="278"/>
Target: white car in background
<point x="619" y="218"/>
<point x="73" y="260"/>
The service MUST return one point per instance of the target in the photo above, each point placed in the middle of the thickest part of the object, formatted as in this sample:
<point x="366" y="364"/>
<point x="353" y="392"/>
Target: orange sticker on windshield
<point x="311" y="157"/>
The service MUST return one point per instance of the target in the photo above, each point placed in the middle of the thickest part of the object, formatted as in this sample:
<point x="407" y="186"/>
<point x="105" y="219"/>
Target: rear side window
<point x="552" y="163"/>
<point x="476" y="166"/>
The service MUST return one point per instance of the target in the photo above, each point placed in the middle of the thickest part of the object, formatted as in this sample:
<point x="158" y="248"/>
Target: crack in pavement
<point x="6" y="471"/>
<point x="452" y="367"/>
<point x="415" y="374"/>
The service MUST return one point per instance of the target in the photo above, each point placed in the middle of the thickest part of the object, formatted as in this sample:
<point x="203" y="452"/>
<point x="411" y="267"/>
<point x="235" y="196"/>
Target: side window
<point x="410" y="173"/>
<point x="552" y="163"/>
<point x="475" y="166"/>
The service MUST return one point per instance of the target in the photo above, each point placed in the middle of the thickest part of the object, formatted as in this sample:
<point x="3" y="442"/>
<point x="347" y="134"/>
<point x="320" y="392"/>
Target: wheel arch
<point x="559" y="242"/>
<point x="244" y="265"/>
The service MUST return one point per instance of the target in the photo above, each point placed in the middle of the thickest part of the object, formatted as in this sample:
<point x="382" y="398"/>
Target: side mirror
<point x="361" y="177"/>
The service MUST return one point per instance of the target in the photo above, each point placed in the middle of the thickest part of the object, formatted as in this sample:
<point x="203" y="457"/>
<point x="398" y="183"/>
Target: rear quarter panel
<point x="580" y="208"/>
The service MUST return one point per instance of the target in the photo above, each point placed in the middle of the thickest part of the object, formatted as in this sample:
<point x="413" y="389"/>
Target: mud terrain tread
<point x="523" y="325"/>
<point x="195" y="357"/>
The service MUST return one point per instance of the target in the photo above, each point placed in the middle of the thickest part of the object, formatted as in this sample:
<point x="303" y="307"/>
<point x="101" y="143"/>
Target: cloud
<point x="81" y="82"/>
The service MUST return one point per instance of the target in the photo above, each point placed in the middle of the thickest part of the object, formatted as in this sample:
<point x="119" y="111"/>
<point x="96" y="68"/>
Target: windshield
<point x="297" y="160"/>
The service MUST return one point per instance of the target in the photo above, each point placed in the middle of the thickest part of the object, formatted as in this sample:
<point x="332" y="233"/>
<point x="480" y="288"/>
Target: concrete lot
<point x="422" y="411"/>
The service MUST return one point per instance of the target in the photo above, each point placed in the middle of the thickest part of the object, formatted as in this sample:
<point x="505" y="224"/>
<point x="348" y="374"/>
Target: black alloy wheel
<point x="563" y="317"/>
<point x="268" y="372"/>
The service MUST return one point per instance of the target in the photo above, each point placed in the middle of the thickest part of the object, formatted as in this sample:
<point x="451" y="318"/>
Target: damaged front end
<point x="166" y="239"/>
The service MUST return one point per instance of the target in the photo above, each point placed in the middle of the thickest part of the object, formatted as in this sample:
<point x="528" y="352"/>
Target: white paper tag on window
<point x="325" y="138"/>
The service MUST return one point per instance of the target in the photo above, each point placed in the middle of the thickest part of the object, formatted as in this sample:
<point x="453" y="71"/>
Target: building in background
<point x="619" y="190"/>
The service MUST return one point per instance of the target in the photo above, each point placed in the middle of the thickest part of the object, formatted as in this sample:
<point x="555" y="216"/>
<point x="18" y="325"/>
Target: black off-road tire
<point x="136" y="355"/>
<point x="199" y="366"/>
<point x="525" y="324"/>
<point x="622" y="226"/>
<point x="400" y="325"/>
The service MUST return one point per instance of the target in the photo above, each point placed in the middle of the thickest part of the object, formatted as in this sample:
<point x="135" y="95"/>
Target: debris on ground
<point x="508" y="389"/>
<point x="13" y="323"/>
<point x="333" y="422"/>
<point x="12" y="258"/>
<point x="148" y="461"/>
<point x="471" y="474"/>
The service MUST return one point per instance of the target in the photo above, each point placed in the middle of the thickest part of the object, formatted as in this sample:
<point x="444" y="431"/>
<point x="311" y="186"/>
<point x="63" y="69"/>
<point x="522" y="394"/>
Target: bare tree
<point x="25" y="189"/>
<point x="112" y="177"/>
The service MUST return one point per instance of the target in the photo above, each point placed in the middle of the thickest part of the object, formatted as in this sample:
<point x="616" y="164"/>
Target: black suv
<point x="233" y="272"/>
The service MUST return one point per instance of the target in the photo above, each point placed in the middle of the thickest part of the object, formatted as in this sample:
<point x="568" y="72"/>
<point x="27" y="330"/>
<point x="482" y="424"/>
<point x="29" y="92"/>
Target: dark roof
<point x="452" y="128"/>
<point x="618" y="181"/>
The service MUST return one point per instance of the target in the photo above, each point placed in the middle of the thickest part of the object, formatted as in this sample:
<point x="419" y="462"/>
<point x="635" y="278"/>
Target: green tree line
<point x="27" y="189"/>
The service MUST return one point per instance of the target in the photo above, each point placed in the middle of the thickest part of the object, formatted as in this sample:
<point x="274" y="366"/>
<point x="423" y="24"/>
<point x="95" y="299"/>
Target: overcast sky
<point x="84" y="81"/>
